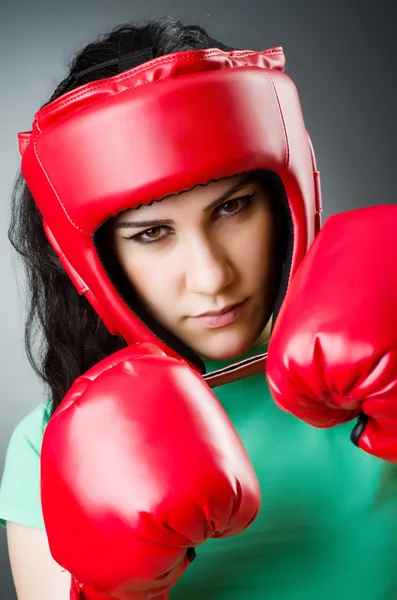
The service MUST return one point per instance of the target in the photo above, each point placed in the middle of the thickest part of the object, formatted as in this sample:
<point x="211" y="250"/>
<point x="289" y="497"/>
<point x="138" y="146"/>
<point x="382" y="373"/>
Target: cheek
<point x="153" y="276"/>
<point x="254" y="247"/>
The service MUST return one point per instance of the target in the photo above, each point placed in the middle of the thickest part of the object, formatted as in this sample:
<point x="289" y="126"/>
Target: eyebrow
<point x="155" y="223"/>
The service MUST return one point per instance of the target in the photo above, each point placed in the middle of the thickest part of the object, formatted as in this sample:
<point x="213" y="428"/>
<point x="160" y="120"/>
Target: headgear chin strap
<point x="159" y="129"/>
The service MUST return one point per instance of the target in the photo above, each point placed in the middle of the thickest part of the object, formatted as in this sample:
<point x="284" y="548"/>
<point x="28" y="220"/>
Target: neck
<point x="265" y="335"/>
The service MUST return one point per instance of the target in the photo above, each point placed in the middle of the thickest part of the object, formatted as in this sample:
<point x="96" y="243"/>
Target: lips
<point x="217" y="313"/>
<point x="221" y="318"/>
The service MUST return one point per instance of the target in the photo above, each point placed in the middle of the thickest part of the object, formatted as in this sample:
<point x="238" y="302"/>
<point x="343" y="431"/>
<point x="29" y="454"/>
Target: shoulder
<point x="30" y="429"/>
<point x="20" y="484"/>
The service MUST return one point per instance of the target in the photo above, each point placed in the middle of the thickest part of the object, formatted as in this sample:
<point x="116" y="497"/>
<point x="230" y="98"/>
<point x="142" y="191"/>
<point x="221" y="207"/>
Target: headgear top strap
<point x="127" y="60"/>
<point x="133" y="59"/>
<point x="124" y="61"/>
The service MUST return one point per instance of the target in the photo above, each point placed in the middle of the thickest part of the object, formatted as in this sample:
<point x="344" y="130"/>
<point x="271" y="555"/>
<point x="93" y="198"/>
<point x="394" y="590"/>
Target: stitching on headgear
<point x="55" y="192"/>
<point x="146" y="67"/>
<point x="287" y="151"/>
<point x="287" y="159"/>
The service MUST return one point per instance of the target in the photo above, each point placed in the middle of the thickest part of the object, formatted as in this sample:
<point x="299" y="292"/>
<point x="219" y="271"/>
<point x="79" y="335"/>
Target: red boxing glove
<point x="79" y="591"/>
<point x="140" y="464"/>
<point x="333" y="351"/>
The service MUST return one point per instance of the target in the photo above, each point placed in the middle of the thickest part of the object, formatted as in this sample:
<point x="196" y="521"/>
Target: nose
<point x="209" y="269"/>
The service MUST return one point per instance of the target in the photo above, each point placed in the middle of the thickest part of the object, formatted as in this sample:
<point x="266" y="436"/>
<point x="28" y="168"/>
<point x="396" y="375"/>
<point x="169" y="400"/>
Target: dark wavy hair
<point x="64" y="336"/>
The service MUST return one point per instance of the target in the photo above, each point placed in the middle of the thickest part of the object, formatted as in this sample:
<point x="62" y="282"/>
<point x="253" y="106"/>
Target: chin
<point x="226" y="347"/>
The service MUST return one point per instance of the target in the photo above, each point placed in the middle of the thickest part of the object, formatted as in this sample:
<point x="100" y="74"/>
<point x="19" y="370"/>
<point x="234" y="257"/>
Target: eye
<point x="234" y="206"/>
<point x="153" y="233"/>
<point x="150" y="236"/>
<point x="231" y="205"/>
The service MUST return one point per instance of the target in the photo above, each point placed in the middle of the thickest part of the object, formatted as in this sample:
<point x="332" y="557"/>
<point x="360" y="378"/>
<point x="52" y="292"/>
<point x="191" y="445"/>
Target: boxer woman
<point x="183" y="238"/>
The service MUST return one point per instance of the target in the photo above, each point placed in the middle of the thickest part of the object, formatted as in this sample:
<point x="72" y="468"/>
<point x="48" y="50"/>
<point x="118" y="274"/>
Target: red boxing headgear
<point x="159" y="129"/>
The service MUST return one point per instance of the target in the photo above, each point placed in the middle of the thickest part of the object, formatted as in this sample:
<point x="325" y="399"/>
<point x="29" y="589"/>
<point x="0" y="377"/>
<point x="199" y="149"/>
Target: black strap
<point x="124" y="62"/>
<point x="103" y="65"/>
<point x="133" y="59"/>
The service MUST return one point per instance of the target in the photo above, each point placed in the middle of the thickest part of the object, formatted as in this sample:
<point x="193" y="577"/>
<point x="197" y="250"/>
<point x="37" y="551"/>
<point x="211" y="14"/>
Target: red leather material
<point x="23" y="140"/>
<point x="159" y="129"/>
<point x="240" y="370"/>
<point x="139" y="463"/>
<point x="333" y="351"/>
<point x="78" y="591"/>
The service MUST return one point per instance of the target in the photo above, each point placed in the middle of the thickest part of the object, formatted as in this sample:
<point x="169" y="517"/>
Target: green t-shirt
<point x="327" y="527"/>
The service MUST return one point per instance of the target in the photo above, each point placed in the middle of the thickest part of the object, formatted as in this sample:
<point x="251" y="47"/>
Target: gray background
<point x="340" y="53"/>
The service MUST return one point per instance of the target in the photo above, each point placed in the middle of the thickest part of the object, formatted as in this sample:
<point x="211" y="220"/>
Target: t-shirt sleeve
<point x="20" y="485"/>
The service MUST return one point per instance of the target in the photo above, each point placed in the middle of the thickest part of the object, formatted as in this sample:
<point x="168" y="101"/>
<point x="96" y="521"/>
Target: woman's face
<point x="203" y="263"/>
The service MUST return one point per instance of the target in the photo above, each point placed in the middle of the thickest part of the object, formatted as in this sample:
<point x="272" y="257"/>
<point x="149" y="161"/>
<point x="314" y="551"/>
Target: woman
<point x="201" y="274"/>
